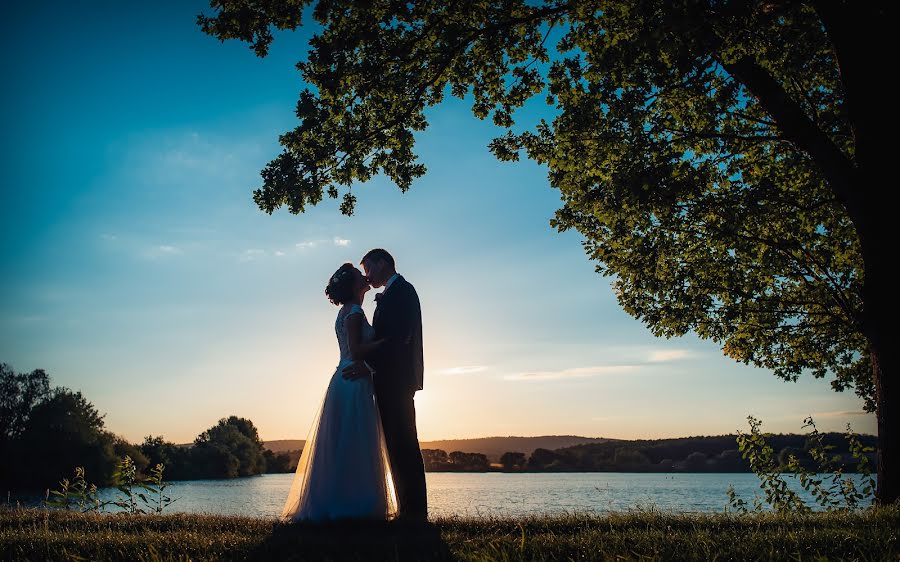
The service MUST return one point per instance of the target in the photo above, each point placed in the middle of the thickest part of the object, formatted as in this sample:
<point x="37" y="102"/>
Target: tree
<point x="731" y="186"/>
<point x="229" y="449"/>
<point x="695" y="462"/>
<point x="63" y="431"/>
<point x="175" y="459"/>
<point x="19" y="393"/>
<point x="435" y="459"/>
<point x="469" y="462"/>
<point x="513" y="461"/>
<point x="626" y="458"/>
<point x="122" y="448"/>
<point x="278" y="463"/>
<point x="541" y="459"/>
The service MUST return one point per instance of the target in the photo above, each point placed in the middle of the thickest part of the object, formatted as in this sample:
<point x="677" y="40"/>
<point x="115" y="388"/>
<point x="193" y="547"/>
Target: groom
<point x="398" y="366"/>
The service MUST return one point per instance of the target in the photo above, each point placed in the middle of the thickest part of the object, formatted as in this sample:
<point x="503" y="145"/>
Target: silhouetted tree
<point x="470" y="462"/>
<point x="175" y="459"/>
<point x="695" y="462"/>
<point x="723" y="160"/>
<point x="541" y="459"/>
<point x="19" y="393"/>
<point x="62" y="432"/>
<point x="513" y="461"/>
<point x="435" y="459"/>
<point x="121" y="448"/>
<point x="228" y="449"/>
<point x="214" y="460"/>
<point x="730" y="460"/>
<point x="278" y="463"/>
<point x="630" y="459"/>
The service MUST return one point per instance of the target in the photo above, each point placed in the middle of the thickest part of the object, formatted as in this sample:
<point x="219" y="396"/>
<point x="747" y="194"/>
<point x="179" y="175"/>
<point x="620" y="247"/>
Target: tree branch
<point x="797" y="127"/>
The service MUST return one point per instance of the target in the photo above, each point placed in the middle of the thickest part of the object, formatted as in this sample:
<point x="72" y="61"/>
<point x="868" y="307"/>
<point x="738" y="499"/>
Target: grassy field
<point x="35" y="534"/>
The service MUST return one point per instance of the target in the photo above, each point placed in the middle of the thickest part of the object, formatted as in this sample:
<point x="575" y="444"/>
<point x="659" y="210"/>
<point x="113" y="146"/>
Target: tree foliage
<point x="513" y="460"/>
<point x="19" y="393"/>
<point x="65" y="431"/>
<point x="691" y="148"/>
<point x="229" y="449"/>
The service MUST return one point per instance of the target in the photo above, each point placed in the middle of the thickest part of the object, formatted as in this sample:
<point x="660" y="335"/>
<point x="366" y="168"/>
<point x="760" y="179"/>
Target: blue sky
<point x="137" y="269"/>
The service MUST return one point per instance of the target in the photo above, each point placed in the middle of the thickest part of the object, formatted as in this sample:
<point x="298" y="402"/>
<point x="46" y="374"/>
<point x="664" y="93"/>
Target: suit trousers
<point x="398" y="418"/>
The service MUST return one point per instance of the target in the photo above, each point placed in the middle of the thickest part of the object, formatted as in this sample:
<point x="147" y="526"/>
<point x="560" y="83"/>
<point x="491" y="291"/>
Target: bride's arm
<point x="358" y="349"/>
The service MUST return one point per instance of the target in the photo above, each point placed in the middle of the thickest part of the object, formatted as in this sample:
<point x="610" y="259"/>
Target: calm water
<point x="485" y="494"/>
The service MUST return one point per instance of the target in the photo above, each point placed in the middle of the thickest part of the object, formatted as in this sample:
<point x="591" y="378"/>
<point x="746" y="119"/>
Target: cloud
<point x="176" y="158"/>
<point x="107" y="236"/>
<point x="841" y="414"/>
<point x="309" y="244"/>
<point x="162" y="250"/>
<point x="252" y="254"/>
<point x="664" y="356"/>
<point x="279" y="253"/>
<point x="576" y="373"/>
<point x="651" y="359"/>
<point x="463" y="370"/>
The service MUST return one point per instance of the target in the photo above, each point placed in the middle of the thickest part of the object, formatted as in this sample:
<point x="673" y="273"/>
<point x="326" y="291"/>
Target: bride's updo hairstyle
<point x="340" y="287"/>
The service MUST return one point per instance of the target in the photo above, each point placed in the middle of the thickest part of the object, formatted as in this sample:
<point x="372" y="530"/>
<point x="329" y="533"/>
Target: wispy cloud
<point x="173" y="158"/>
<point x="279" y="253"/>
<point x="466" y="370"/>
<point x="652" y="359"/>
<point x="664" y="356"/>
<point x="841" y="414"/>
<point x="108" y="236"/>
<point x="576" y="373"/>
<point x="252" y="254"/>
<point x="309" y="244"/>
<point x="162" y="250"/>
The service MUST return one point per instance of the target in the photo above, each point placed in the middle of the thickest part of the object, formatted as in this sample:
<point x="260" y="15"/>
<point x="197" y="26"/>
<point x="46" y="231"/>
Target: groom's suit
<point x="399" y="368"/>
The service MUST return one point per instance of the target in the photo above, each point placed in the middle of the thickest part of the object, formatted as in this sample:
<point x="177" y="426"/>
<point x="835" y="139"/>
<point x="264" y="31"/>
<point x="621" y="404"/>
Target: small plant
<point x="77" y="494"/>
<point x="157" y="487"/>
<point x="757" y="451"/>
<point x="126" y="481"/>
<point x="833" y="492"/>
<point x="858" y="451"/>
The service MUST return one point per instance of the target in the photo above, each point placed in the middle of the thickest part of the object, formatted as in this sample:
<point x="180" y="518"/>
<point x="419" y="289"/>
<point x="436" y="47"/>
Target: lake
<point x="495" y="494"/>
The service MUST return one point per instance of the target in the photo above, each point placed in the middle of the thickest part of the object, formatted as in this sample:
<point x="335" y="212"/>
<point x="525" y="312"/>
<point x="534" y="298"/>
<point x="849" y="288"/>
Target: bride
<point x="344" y="471"/>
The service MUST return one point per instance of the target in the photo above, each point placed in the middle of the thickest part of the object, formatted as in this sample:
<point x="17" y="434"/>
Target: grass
<point x="37" y="534"/>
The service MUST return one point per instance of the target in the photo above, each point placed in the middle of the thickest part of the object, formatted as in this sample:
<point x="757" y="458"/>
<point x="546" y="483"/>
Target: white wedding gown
<point x="344" y="471"/>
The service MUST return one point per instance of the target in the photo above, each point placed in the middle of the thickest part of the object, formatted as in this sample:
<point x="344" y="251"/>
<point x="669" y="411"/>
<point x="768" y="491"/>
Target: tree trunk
<point x="888" y="490"/>
<point x="860" y="34"/>
<point x="879" y="326"/>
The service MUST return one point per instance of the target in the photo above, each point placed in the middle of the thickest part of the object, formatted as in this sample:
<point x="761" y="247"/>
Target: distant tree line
<point x="688" y="454"/>
<point x="47" y="431"/>
<point x="230" y="449"/>
<point x="437" y="460"/>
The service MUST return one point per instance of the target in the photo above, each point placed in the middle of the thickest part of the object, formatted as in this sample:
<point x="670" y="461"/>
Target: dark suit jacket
<point x="399" y="364"/>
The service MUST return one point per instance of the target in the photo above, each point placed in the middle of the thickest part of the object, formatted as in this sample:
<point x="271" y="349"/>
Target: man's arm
<point x="405" y="317"/>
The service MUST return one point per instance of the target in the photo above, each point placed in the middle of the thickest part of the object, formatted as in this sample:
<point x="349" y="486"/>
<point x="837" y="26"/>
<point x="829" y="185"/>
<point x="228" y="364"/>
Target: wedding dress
<point x="344" y="471"/>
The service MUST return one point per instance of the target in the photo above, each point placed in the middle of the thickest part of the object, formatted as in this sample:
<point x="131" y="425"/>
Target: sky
<point x="137" y="269"/>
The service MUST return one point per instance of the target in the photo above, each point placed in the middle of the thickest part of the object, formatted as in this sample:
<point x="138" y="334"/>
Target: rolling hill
<point x="493" y="447"/>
